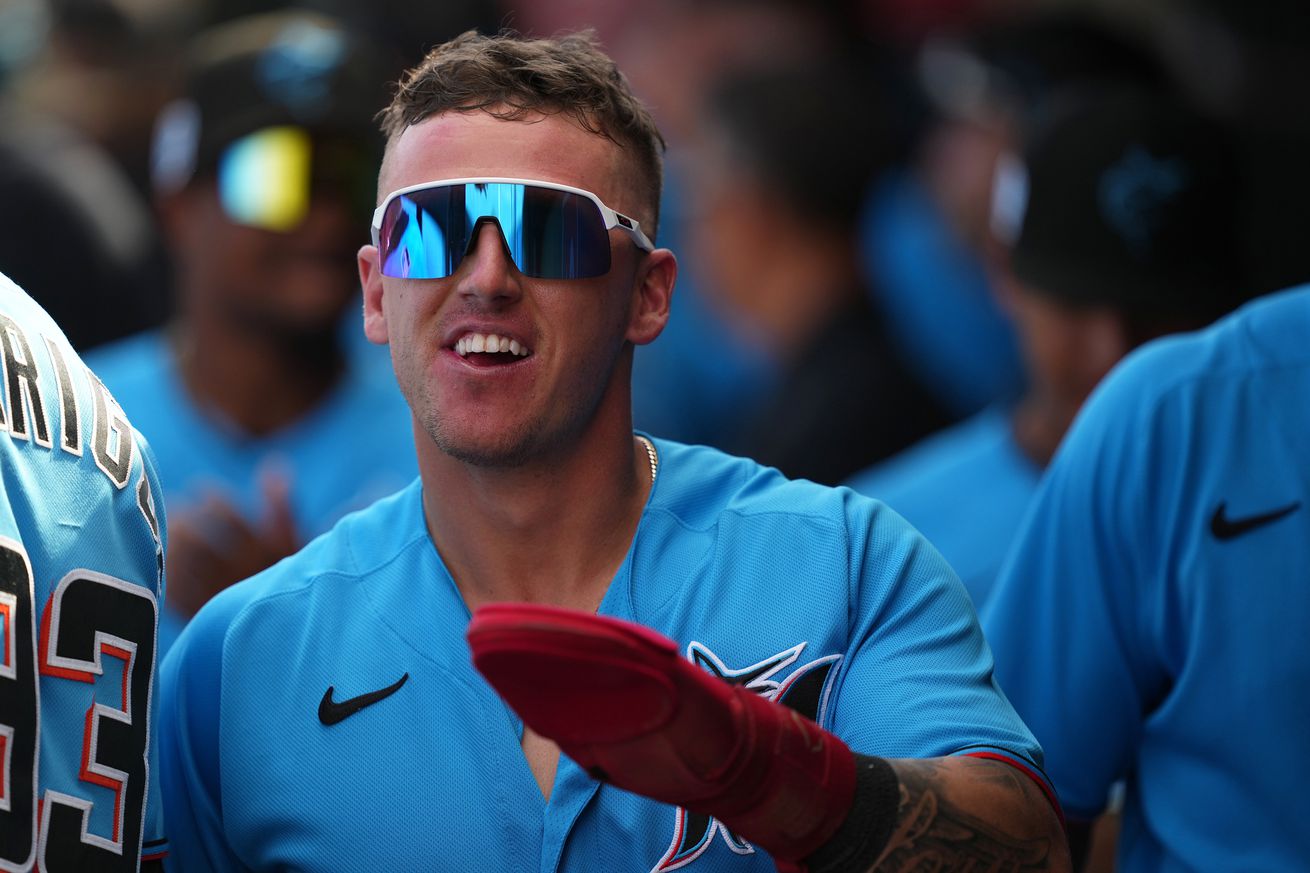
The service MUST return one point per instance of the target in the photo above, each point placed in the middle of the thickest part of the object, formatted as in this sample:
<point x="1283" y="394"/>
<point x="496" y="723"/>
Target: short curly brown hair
<point x="512" y="77"/>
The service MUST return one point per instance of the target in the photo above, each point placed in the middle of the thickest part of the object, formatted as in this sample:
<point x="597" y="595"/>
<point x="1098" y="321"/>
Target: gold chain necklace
<point x="650" y="453"/>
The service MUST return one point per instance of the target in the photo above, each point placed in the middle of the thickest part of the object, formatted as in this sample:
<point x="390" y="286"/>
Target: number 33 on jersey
<point x="81" y="576"/>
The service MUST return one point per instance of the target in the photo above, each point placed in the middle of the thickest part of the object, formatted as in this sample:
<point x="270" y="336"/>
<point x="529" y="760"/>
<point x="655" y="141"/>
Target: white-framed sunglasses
<point x="551" y="231"/>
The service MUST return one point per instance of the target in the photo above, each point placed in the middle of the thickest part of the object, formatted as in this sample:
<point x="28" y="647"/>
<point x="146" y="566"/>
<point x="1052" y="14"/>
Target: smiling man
<point x="326" y="714"/>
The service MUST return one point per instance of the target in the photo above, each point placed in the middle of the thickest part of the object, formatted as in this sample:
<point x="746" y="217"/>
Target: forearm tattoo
<point x="933" y="834"/>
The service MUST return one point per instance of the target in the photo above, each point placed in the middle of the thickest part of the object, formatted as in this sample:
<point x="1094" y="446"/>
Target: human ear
<point x="370" y="278"/>
<point x="651" y="296"/>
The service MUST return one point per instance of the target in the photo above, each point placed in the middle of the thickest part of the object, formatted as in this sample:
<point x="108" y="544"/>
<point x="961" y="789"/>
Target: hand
<point x="213" y="546"/>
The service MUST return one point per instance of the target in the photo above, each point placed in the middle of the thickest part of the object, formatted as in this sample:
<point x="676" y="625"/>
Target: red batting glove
<point x="620" y="701"/>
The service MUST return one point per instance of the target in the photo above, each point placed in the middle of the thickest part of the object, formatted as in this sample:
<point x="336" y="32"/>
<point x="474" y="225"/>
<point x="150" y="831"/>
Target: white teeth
<point x="490" y="342"/>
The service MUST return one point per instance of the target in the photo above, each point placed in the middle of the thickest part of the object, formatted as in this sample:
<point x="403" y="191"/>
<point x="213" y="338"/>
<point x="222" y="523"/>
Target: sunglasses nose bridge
<point x="476" y="234"/>
<point x="487" y="266"/>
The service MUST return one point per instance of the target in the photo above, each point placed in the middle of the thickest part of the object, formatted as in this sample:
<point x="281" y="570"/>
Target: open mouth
<point x="489" y="349"/>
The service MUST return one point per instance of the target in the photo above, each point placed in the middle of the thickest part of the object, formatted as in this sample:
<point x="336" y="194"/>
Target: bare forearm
<point x="971" y="814"/>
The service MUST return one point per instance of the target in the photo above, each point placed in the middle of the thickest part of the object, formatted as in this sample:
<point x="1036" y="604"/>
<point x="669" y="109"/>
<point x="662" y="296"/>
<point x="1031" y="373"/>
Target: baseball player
<point x="81" y="578"/>
<point x="1162" y="575"/>
<point x="1120" y="219"/>
<point x="267" y="427"/>
<point x="326" y="715"/>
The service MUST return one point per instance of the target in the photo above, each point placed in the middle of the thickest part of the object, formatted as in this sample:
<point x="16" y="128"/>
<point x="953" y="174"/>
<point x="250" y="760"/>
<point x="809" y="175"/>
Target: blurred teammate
<point x="81" y="579"/>
<point x="789" y="152"/>
<point x="927" y="234"/>
<point x="1162" y="577"/>
<point x="1121" y="220"/>
<point x="267" y="428"/>
<point x="325" y="715"/>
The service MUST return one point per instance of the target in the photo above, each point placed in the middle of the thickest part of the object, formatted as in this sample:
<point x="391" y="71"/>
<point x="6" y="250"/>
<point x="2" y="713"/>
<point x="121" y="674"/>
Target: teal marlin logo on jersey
<point x="805" y="689"/>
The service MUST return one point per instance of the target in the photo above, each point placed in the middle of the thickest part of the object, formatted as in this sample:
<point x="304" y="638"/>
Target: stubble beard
<point x="512" y="444"/>
<point x="518" y="442"/>
<point x="512" y="448"/>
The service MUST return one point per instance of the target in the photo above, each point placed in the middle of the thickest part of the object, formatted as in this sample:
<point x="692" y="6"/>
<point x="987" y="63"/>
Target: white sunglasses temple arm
<point x="631" y="226"/>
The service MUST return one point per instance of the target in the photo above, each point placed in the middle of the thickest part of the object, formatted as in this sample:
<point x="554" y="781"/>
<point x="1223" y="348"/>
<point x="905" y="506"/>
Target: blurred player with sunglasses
<point x="267" y="428"/>
<point x="327" y="714"/>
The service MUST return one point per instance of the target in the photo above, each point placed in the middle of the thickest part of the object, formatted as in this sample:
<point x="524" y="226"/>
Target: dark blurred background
<point x="911" y="102"/>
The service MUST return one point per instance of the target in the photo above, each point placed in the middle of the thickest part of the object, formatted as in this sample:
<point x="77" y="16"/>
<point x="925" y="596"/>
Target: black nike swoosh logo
<point x="331" y="712"/>
<point x="1225" y="528"/>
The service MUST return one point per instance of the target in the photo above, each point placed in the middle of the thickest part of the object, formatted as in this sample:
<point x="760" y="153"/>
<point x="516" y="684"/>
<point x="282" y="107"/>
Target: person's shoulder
<point x="13" y="296"/>
<point x="133" y="362"/>
<point x="749" y="521"/>
<point x="353" y="548"/>
<point x="1269" y="333"/>
<point x="1167" y="414"/>
<point x="27" y="313"/>
<point x="699" y="484"/>
<point x="357" y="544"/>
<point x="939" y="459"/>
<point x="139" y="374"/>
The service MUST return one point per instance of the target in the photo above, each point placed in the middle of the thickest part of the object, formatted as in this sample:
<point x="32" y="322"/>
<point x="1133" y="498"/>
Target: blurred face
<point x="959" y="162"/>
<point x="569" y="341"/>
<point x="736" y="223"/>
<point x="736" y="248"/>
<point x="293" y="283"/>
<point x="298" y="282"/>
<point x="1068" y="350"/>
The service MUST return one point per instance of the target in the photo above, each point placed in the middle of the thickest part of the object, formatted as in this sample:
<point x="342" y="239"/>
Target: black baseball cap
<point x="293" y="68"/>
<point x="1127" y="198"/>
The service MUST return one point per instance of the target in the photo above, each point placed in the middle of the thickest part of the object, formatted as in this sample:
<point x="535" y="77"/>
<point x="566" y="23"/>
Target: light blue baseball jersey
<point x="815" y="596"/>
<point x="81" y="578"/>
<point x="966" y="489"/>
<point x="355" y="447"/>
<point x="1151" y="624"/>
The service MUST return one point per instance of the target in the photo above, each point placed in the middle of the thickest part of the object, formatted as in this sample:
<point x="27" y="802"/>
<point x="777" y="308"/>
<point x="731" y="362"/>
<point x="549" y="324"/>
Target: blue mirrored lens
<point x="548" y="234"/>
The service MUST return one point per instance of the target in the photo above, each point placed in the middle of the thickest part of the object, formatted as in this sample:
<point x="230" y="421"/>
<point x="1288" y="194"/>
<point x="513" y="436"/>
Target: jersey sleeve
<point x="1063" y="620"/>
<point x="918" y="678"/>
<point x="189" y="730"/>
